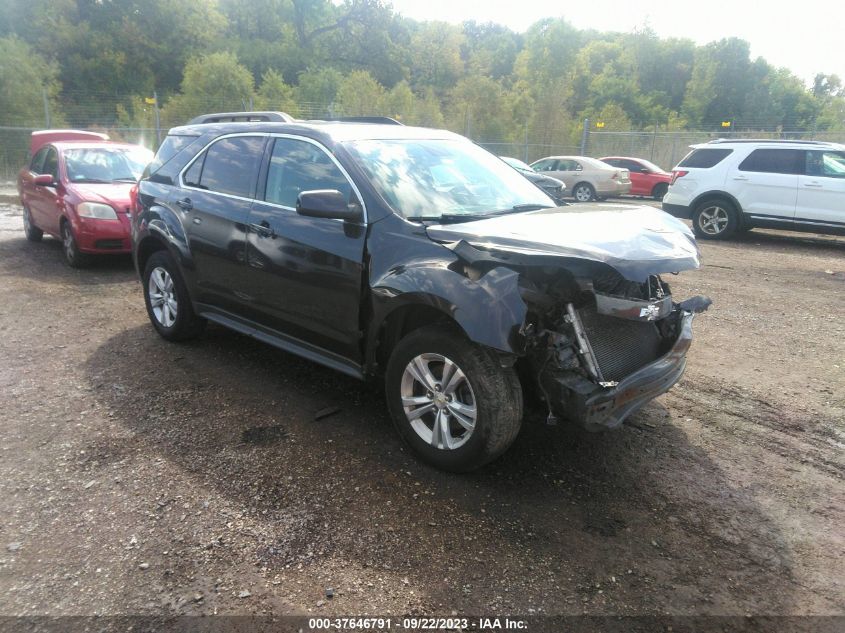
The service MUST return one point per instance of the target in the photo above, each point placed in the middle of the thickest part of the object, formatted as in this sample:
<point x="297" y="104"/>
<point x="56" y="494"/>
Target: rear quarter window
<point x="774" y="161"/>
<point x="171" y="146"/>
<point x="705" y="157"/>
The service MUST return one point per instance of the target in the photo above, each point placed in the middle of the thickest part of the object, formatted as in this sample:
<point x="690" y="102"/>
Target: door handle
<point x="185" y="204"/>
<point x="813" y="184"/>
<point x="263" y="229"/>
<point x="740" y="177"/>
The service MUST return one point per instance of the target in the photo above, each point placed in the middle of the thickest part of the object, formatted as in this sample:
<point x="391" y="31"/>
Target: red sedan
<point x="647" y="179"/>
<point x="78" y="191"/>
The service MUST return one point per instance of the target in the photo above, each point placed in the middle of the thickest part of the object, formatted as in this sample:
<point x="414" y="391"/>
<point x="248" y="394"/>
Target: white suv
<point x="726" y="186"/>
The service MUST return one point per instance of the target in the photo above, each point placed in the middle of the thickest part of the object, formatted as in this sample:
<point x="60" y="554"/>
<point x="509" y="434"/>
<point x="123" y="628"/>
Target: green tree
<point x="316" y="91"/>
<point x="212" y="83"/>
<point x="25" y="77"/>
<point x="360" y="95"/>
<point x="275" y="94"/>
<point x="435" y="50"/>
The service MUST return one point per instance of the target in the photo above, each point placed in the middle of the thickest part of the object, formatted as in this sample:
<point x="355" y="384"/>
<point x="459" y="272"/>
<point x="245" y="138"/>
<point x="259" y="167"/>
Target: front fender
<point x="490" y="310"/>
<point x="160" y="223"/>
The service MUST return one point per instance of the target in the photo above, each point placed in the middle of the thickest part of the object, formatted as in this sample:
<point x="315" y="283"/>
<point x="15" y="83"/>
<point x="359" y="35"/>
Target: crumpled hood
<point x="637" y="241"/>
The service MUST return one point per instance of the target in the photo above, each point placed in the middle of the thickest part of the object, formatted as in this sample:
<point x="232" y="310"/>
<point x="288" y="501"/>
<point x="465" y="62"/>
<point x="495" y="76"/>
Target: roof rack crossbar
<point x="231" y="117"/>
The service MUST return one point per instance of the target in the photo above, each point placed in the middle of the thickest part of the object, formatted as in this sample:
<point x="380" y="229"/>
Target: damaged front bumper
<point x="599" y="407"/>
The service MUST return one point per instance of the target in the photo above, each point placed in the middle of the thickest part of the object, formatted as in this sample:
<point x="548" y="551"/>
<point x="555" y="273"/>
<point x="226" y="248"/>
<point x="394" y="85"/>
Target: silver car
<point x="586" y="178"/>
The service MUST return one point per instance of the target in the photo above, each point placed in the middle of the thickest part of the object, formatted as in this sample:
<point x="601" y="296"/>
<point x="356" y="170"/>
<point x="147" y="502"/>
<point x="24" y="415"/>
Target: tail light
<point x="677" y="174"/>
<point x="133" y="198"/>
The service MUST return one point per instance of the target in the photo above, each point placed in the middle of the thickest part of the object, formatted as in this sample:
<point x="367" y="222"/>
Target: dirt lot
<point x="133" y="479"/>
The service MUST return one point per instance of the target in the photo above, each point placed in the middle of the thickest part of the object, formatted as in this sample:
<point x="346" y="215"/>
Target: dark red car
<point x="647" y="179"/>
<point x="78" y="191"/>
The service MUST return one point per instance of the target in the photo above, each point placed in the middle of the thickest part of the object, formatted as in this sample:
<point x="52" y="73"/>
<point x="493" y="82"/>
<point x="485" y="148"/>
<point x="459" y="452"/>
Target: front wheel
<point x="451" y="400"/>
<point x="73" y="256"/>
<point x="583" y="192"/>
<point x="167" y="300"/>
<point x="32" y="232"/>
<point x="715" y="220"/>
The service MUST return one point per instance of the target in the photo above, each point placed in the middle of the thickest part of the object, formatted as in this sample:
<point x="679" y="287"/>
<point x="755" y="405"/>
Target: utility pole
<point x="525" y="152"/>
<point x="158" y="118"/>
<point x="46" y="107"/>
<point x="585" y="137"/>
<point x="653" y="141"/>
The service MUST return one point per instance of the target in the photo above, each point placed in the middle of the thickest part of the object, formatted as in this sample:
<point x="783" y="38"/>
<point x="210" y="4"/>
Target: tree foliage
<point x="315" y="58"/>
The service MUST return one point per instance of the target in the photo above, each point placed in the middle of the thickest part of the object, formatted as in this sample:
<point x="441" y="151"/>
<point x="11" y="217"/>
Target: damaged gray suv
<point x="416" y="256"/>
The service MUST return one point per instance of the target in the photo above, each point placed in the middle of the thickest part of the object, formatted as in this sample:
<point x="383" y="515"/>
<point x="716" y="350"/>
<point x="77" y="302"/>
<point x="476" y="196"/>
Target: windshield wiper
<point x="124" y="179"/>
<point x="97" y="181"/>
<point x="470" y="217"/>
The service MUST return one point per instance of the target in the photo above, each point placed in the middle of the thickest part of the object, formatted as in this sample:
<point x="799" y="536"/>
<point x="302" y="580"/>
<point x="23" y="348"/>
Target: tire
<point x="32" y="232"/>
<point x="165" y="293"/>
<point x="715" y="219"/>
<point x="73" y="256"/>
<point x="583" y="192"/>
<point x="659" y="190"/>
<point x="486" y="388"/>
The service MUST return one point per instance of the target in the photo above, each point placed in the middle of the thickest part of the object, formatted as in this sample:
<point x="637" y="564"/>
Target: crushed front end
<point x="598" y="348"/>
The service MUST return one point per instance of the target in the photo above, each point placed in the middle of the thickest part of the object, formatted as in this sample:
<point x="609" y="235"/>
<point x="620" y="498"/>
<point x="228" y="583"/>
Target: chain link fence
<point x="143" y="123"/>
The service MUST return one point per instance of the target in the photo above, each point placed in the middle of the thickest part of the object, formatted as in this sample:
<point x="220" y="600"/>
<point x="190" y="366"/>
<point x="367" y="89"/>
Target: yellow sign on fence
<point x="599" y="123"/>
<point x="149" y="101"/>
<point x="726" y="123"/>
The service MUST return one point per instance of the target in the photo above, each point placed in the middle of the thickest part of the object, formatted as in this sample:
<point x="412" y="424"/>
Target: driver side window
<point x="297" y="166"/>
<point x="51" y="164"/>
<point x="37" y="162"/>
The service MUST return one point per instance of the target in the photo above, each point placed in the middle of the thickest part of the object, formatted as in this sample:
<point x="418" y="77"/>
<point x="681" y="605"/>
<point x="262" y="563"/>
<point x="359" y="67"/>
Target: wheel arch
<point x="488" y="311"/>
<point x="720" y="195"/>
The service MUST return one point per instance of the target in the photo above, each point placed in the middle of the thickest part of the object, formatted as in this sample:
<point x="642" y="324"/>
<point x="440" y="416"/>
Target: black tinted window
<point x="774" y="161"/>
<point x="705" y="157"/>
<point x="231" y="165"/>
<point x="297" y="166"/>
<point x="192" y="176"/>
<point x="38" y="160"/>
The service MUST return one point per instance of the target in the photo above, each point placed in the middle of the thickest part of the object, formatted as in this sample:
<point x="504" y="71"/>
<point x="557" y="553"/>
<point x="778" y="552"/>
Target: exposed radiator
<point x="621" y="346"/>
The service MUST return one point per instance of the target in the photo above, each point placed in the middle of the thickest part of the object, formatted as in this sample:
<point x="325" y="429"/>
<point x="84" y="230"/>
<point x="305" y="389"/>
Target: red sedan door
<point x="43" y="201"/>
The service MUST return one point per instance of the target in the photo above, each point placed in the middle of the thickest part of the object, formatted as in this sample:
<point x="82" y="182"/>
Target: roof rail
<point x="231" y="117"/>
<point x="766" y="140"/>
<point x="383" y="120"/>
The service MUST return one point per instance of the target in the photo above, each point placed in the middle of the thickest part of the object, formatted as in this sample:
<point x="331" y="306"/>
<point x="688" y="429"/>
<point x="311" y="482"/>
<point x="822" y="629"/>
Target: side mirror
<point x="43" y="180"/>
<point x="327" y="203"/>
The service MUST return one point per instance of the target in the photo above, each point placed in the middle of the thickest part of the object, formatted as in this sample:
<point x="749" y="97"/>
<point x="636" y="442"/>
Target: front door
<point x="213" y="203"/>
<point x="821" y="190"/>
<point x="305" y="274"/>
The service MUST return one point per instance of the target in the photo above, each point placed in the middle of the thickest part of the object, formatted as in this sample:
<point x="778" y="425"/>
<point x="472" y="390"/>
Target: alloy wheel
<point x="583" y="194"/>
<point x="438" y="401"/>
<point x="713" y="220"/>
<point x="162" y="296"/>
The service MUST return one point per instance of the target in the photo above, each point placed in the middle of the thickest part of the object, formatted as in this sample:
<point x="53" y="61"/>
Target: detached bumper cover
<point x="598" y="408"/>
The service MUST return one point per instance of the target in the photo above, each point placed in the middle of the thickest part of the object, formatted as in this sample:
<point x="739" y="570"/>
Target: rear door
<point x="821" y="189"/>
<point x="567" y="170"/>
<point x="216" y="193"/>
<point x="766" y="182"/>
<point x="305" y="274"/>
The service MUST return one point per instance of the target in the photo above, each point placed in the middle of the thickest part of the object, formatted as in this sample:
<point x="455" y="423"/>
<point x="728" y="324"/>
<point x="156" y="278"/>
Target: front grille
<point x="621" y="346"/>
<point x="108" y="244"/>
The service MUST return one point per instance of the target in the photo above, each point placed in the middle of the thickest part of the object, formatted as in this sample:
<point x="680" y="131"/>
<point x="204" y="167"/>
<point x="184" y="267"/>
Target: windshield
<point x="106" y="164"/>
<point x="651" y="166"/>
<point x="433" y="178"/>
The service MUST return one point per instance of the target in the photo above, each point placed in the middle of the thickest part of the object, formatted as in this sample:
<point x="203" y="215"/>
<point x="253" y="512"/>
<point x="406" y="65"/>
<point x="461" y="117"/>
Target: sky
<point x="805" y="36"/>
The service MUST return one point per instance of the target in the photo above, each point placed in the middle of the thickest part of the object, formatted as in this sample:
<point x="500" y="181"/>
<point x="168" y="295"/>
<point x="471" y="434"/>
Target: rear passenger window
<point x="774" y="161"/>
<point x="705" y="157"/>
<point x="231" y="165"/>
<point x="298" y="166"/>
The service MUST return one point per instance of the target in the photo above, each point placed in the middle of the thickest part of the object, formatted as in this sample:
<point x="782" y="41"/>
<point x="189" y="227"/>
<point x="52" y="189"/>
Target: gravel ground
<point x="141" y="477"/>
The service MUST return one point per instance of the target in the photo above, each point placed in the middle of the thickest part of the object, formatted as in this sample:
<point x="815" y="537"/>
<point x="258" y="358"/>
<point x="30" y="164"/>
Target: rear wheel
<point x="451" y="400"/>
<point x="73" y="256"/>
<point x="583" y="192"/>
<point x="715" y="219"/>
<point x="32" y="232"/>
<point x="167" y="300"/>
<point x="659" y="190"/>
